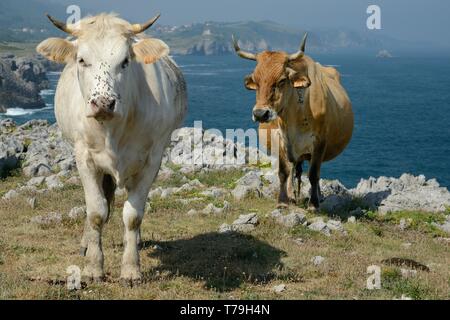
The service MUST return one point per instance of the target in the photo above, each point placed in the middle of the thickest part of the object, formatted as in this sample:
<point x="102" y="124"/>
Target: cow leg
<point x="314" y="178"/>
<point x="283" y="174"/>
<point x="290" y="184"/>
<point x="139" y="240"/>
<point x="133" y="212"/>
<point x="298" y="176"/>
<point x="97" y="215"/>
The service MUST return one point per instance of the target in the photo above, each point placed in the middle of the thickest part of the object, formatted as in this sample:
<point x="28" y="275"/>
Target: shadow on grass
<point x="222" y="261"/>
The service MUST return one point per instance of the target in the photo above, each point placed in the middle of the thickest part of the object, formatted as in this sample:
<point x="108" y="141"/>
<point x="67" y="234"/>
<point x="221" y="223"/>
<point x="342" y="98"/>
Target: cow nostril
<point x="112" y="105"/>
<point x="262" y="115"/>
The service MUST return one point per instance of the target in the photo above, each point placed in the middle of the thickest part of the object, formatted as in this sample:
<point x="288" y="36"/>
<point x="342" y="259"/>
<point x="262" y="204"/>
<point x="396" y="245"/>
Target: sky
<point x="411" y="20"/>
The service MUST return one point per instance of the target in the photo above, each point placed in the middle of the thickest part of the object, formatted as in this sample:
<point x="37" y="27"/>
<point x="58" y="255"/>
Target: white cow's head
<point x="104" y="49"/>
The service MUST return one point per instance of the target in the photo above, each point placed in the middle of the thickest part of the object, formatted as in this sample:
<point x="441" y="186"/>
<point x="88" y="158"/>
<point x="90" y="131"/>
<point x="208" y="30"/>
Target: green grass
<point x="197" y="262"/>
<point x="219" y="179"/>
<point x="393" y="282"/>
<point x="420" y="221"/>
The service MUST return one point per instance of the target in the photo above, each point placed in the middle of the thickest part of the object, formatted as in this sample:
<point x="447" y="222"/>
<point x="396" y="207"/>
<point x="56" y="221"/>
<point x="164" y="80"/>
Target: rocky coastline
<point x="21" y="81"/>
<point x="47" y="161"/>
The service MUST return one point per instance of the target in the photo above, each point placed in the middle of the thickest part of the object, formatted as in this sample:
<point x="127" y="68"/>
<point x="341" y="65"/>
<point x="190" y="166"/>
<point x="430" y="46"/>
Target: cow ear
<point x="302" y="82"/>
<point x="298" y="80"/>
<point x="150" y="50"/>
<point x="57" y="50"/>
<point x="249" y="83"/>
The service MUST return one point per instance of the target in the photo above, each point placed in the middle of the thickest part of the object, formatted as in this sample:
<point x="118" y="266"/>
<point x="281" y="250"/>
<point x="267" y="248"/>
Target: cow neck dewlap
<point x="292" y="112"/>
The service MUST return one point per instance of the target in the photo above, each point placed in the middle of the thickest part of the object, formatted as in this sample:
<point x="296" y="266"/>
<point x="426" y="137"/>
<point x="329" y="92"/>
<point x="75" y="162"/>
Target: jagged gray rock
<point x="317" y="260"/>
<point x="77" y="213"/>
<point x="32" y="202"/>
<point x="320" y="226"/>
<point x="214" y="192"/>
<point x="279" y="288"/>
<point x="42" y="151"/>
<point x="406" y="193"/>
<point x="245" y="223"/>
<point x="21" y="80"/>
<point x="10" y="195"/>
<point x="10" y="148"/>
<point x="36" y="181"/>
<point x="51" y="218"/>
<point x="445" y="226"/>
<point x="351" y="219"/>
<point x="212" y="209"/>
<point x="250" y="184"/>
<point x="53" y="182"/>
<point x="290" y="220"/>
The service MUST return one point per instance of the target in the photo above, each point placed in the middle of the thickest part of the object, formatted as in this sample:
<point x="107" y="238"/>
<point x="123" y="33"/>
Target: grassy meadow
<point x="185" y="257"/>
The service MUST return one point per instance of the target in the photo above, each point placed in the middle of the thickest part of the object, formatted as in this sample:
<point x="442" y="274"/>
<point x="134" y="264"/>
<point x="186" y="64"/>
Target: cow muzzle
<point x="264" y="115"/>
<point x="102" y="108"/>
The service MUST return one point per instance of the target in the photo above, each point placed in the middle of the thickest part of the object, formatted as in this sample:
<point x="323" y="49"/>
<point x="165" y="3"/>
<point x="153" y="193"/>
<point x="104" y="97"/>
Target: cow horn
<point x="139" y="28"/>
<point x="300" y="53"/>
<point x="60" y="25"/>
<point x="242" y="54"/>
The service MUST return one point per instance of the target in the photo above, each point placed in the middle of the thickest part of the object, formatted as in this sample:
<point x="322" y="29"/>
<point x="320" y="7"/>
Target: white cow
<point x="118" y="100"/>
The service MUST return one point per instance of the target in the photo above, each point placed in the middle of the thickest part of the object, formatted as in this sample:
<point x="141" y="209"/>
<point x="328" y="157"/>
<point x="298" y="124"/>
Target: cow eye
<point x="281" y="83"/>
<point x="125" y="63"/>
<point x="83" y="63"/>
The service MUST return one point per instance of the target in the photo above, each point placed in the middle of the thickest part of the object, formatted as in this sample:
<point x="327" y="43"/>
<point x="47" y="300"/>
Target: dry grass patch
<point x="184" y="257"/>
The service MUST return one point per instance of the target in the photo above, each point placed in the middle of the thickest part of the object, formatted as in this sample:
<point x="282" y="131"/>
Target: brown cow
<point x="309" y="106"/>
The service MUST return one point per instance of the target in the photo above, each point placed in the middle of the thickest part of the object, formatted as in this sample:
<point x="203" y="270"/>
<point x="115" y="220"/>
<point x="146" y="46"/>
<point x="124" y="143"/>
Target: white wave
<point x="206" y="87"/>
<point x="194" y="65"/>
<point x="15" y="112"/>
<point x="19" y="112"/>
<point x="47" y="92"/>
<point x="201" y="73"/>
<point x="54" y="73"/>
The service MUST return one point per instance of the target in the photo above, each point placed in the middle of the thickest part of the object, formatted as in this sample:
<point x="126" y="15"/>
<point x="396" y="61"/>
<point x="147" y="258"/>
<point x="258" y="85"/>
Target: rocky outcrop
<point x="406" y="193"/>
<point x="37" y="146"/>
<point x="384" y="54"/>
<point x="43" y="155"/>
<point x="21" y="80"/>
<point x="207" y="47"/>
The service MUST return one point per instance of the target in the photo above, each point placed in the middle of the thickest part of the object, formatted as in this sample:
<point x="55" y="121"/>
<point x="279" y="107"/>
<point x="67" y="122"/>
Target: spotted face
<point x="103" y="70"/>
<point x="275" y="81"/>
<point x="106" y="53"/>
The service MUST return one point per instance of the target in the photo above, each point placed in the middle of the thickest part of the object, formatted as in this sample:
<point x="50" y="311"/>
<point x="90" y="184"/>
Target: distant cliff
<point x="21" y="80"/>
<point x="214" y="38"/>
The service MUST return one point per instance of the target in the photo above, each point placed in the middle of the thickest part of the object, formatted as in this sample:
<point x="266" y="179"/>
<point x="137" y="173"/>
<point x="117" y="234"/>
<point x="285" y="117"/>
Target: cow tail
<point x="109" y="189"/>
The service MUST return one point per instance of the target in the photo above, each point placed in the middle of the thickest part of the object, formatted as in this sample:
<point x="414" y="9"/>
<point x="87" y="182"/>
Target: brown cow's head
<point x="276" y="77"/>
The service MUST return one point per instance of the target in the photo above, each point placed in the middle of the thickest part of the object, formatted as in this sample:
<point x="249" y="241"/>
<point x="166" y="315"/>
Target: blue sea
<point x="401" y="105"/>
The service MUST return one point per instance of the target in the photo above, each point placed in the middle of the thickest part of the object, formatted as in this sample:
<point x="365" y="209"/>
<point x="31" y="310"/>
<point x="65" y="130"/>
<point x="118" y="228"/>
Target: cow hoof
<point x="93" y="275"/>
<point x="282" y="206"/>
<point x="130" y="276"/>
<point x="93" y="280"/>
<point x="83" y="251"/>
<point x="126" y="283"/>
<point x="130" y="283"/>
<point x="313" y="208"/>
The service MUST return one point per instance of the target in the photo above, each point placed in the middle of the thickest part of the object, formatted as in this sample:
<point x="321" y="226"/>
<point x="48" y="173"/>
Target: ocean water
<point x="401" y="106"/>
